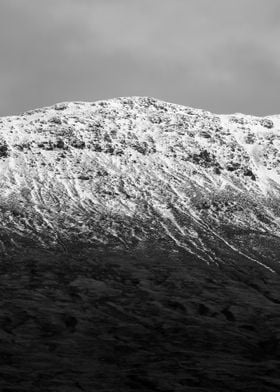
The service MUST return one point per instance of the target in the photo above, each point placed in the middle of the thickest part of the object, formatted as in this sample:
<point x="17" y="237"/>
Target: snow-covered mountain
<point x="129" y="172"/>
<point x="139" y="249"/>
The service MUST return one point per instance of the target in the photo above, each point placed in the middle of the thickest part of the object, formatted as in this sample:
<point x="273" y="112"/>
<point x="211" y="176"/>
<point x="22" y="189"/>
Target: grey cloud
<point x="219" y="55"/>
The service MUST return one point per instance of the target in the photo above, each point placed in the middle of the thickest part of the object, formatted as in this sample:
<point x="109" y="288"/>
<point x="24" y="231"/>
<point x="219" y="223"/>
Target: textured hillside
<point x="140" y="249"/>
<point x="131" y="170"/>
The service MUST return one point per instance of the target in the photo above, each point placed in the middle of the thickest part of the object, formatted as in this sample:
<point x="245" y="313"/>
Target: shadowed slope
<point x="141" y="321"/>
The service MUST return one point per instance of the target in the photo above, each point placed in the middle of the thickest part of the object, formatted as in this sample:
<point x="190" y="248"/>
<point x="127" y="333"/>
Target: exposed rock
<point x="3" y="149"/>
<point x="249" y="173"/>
<point x="61" y="106"/>
<point x="267" y="123"/>
<point x="78" y="143"/>
<point x="55" y="120"/>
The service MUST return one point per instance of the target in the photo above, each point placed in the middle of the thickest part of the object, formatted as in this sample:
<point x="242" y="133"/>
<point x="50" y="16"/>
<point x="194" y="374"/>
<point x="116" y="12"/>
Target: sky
<point x="218" y="55"/>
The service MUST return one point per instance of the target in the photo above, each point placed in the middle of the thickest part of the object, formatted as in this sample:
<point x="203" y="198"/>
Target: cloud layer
<point x="214" y="54"/>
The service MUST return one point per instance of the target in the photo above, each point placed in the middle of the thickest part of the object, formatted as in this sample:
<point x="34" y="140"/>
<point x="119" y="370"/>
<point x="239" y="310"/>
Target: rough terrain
<point x="140" y="246"/>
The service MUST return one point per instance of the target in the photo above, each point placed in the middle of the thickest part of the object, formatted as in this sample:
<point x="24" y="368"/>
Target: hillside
<point x="140" y="247"/>
<point x="132" y="170"/>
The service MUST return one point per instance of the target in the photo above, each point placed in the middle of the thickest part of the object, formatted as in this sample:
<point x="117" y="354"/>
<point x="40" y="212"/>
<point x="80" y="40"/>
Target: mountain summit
<point x="139" y="249"/>
<point x="133" y="172"/>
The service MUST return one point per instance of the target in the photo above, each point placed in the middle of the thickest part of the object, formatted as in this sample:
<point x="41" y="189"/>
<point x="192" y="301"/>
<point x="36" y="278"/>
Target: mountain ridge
<point x="129" y="170"/>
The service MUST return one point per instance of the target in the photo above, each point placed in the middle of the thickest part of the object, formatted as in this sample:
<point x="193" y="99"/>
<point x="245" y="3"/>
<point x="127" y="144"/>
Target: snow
<point x="144" y="166"/>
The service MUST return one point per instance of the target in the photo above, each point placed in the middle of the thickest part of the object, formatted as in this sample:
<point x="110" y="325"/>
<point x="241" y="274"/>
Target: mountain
<point x="140" y="247"/>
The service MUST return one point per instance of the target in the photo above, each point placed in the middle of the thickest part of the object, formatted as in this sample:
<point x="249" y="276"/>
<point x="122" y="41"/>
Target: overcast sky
<point x="220" y="55"/>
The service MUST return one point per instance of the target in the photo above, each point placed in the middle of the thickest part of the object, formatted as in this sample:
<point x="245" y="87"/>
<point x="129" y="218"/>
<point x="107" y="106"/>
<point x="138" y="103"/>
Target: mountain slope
<point x="139" y="249"/>
<point x="131" y="170"/>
